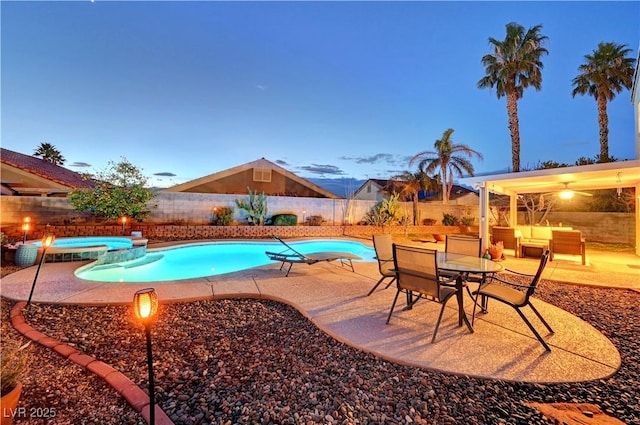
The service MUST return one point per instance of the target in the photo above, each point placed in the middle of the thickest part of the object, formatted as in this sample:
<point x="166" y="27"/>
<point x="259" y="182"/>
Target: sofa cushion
<point x="538" y="233"/>
<point x="541" y="232"/>
<point x="524" y="231"/>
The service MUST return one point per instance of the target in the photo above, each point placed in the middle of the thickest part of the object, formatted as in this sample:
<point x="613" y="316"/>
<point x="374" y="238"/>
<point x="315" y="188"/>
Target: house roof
<point x="260" y="164"/>
<point x="29" y="174"/>
<point x="456" y="191"/>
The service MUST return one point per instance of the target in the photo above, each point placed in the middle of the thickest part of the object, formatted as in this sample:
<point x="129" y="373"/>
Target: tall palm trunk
<point x="514" y="128"/>
<point x="445" y="181"/>
<point x="603" y="122"/>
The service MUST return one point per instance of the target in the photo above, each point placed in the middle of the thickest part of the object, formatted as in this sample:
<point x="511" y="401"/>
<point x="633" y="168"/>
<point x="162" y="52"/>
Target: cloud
<point x="80" y="165"/>
<point x="372" y="159"/>
<point x="282" y="162"/>
<point x="262" y="87"/>
<point x="322" y="169"/>
<point x="165" y="174"/>
<point x="386" y="158"/>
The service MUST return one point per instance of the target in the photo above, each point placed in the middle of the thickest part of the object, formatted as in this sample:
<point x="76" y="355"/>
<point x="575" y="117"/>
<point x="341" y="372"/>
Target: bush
<point x="15" y="362"/>
<point x="222" y="216"/>
<point x="314" y="220"/>
<point x="467" y="220"/>
<point x="429" y="221"/>
<point x="450" y="220"/>
<point x="119" y="191"/>
<point x="255" y="207"/>
<point x="386" y="212"/>
<point x="284" y="220"/>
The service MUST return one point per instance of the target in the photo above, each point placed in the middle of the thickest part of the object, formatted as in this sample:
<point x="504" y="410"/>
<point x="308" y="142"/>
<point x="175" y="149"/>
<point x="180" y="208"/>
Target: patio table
<point x="460" y="263"/>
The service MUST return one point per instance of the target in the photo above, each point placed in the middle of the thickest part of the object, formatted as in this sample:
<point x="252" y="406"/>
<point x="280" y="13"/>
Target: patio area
<point x="334" y="299"/>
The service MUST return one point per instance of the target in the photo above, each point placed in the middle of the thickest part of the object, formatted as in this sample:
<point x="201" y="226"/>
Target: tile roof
<point x="44" y="169"/>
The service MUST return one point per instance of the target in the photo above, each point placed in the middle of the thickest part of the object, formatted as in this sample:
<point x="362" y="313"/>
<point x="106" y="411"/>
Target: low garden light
<point x="145" y="307"/>
<point x="47" y="241"/>
<point x="123" y="219"/>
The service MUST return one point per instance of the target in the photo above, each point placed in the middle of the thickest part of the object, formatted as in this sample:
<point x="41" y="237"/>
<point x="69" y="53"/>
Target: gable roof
<point x="25" y="174"/>
<point x="456" y="191"/>
<point x="236" y="179"/>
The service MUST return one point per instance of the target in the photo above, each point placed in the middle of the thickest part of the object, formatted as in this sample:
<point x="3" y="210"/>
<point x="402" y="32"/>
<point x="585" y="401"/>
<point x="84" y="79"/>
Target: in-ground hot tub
<point x="103" y="249"/>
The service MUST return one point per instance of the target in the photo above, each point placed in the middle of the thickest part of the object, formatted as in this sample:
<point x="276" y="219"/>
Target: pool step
<point x="147" y="259"/>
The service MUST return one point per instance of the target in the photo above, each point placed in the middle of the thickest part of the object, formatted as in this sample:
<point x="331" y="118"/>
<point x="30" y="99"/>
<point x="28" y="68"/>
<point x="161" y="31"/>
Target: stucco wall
<point x="194" y="208"/>
<point x="599" y="227"/>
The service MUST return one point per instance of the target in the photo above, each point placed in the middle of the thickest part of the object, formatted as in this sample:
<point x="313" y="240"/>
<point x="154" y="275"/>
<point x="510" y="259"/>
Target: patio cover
<point x="610" y="175"/>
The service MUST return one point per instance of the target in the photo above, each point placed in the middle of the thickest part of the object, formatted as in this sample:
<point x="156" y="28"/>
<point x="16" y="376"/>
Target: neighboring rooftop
<point x="261" y="175"/>
<point x="28" y="175"/>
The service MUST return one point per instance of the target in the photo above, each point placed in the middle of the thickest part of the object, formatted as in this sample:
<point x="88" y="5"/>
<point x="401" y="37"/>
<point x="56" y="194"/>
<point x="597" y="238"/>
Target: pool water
<point x="208" y="259"/>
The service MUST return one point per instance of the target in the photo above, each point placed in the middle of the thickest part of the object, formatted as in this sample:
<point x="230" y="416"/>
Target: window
<point x="261" y="175"/>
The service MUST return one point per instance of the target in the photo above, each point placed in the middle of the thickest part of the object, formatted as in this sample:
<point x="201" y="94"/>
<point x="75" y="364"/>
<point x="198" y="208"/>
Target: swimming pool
<point x="208" y="259"/>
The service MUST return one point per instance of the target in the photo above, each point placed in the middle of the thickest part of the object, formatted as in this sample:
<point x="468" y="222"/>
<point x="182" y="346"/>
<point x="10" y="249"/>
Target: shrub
<point x="119" y="191"/>
<point x="15" y="362"/>
<point x="314" y="220"/>
<point x="284" y="220"/>
<point x="467" y="220"/>
<point x="255" y="207"/>
<point x="385" y="212"/>
<point x="450" y="219"/>
<point x="429" y="221"/>
<point x="222" y="216"/>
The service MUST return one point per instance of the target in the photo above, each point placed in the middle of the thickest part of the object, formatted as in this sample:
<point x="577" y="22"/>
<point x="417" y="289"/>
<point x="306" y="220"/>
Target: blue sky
<point x="325" y="89"/>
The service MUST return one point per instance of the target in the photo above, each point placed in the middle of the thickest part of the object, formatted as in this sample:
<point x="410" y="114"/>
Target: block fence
<point x="176" y="210"/>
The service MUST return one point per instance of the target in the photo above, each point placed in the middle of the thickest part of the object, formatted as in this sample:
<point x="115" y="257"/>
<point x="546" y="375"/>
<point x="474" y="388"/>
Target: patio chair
<point x="291" y="256"/>
<point x="509" y="237"/>
<point x="417" y="271"/>
<point x="383" y="245"/>
<point x="465" y="246"/>
<point x="568" y="242"/>
<point x="516" y="295"/>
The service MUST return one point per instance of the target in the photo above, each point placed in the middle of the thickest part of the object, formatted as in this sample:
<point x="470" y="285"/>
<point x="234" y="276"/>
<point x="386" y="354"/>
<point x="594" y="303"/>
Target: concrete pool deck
<point x="334" y="298"/>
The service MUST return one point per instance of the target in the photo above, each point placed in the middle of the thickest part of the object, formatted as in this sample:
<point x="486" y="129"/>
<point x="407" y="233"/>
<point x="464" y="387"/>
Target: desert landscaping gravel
<point x="243" y="361"/>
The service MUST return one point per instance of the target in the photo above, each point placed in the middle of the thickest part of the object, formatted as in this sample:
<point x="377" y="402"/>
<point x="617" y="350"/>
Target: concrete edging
<point x="124" y="386"/>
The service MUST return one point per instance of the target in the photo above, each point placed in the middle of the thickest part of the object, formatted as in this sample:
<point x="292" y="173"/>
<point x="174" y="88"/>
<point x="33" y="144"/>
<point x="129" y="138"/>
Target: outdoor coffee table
<point x="460" y="263"/>
<point x="533" y="248"/>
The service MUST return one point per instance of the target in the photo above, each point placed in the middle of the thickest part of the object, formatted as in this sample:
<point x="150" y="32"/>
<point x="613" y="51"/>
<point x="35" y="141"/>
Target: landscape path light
<point x="124" y="224"/>
<point x="145" y="307"/>
<point x="47" y="241"/>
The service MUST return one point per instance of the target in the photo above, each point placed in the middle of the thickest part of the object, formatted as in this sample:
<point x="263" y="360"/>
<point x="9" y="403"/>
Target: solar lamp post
<point x="145" y="307"/>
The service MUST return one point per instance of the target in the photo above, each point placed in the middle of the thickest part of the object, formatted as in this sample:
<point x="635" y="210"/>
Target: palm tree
<point x="410" y="185"/>
<point x="514" y="65"/>
<point x="48" y="152"/>
<point x="447" y="159"/>
<point x="606" y="72"/>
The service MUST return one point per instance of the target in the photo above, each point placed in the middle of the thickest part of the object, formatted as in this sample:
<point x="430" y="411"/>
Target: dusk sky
<point x="324" y="89"/>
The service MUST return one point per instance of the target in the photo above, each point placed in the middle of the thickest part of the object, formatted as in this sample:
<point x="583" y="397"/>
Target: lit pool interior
<point x="208" y="259"/>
